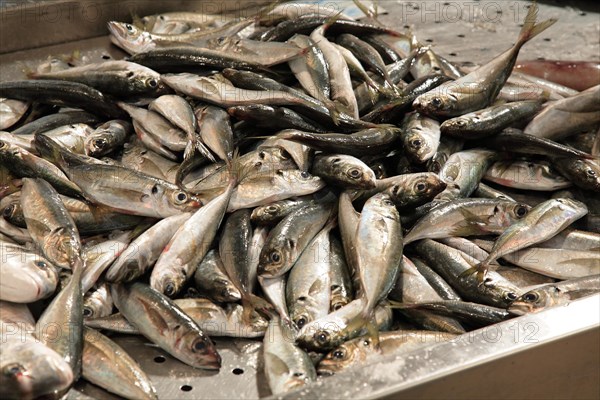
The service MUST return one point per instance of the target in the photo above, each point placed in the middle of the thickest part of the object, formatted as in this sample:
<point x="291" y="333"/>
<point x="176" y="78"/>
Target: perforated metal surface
<point x="465" y="31"/>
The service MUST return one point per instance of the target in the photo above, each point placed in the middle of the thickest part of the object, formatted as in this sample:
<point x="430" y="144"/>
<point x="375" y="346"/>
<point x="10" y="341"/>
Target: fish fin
<point x="471" y="217"/>
<point x="156" y="317"/>
<point x="480" y="271"/>
<point x="317" y="287"/>
<point x="277" y="364"/>
<point x="201" y="147"/>
<point x="530" y="29"/>
<point x="372" y="332"/>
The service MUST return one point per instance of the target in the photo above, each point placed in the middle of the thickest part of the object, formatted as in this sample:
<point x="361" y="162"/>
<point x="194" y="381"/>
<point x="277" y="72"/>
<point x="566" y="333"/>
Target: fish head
<point x="274" y="258"/>
<point x="498" y="288"/>
<point x="328" y="332"/>
<point x="437" y="102"/>
<point x="534" y="300"/>
<point x="588" y="173"/>
<point x="575" y="209"/>
<point x="267" y="212"/>
<point x="417" y="146"/>
<point x="300" y="180"/>
<point x="226" y="291"/>
<point x="12" y="210"/>
<point x="454" y="125"/>
<point x="32" y="370"/>
<point x="198" y="350"/>
<point x="360" y="177"/>
<point x="146" y="81"/>
<point x="130" y="37"/>
<point x="41" y="268"/>
<point x="98" y="143"/>
<point x="8" y="151"/>
<point x="418" y="190"/>
<point x="296" y="379"/>
<point x="506" y="213"/>
<point x="170" y="200"/>
<point x="342" y="357"/>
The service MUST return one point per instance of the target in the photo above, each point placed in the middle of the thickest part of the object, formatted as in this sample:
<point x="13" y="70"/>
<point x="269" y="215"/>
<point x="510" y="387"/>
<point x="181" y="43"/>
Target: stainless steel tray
<point x="553" y="354"/>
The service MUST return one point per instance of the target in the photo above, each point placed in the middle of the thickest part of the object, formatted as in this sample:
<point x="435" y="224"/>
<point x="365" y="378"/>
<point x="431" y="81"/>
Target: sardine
<point x="165" y="324"/>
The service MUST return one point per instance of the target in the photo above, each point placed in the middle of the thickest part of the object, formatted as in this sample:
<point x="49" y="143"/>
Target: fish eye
<point x="322" y="337"/>
<point x="3" y="144"/>
<point x="305" y="175"/>
<point x="41" y="264"/>
<point x="520" y="211"/>
<point x="337" y="306"/>
<point x="258" y="164"/>
<point x="416" y="143"/>
<point x="420" y="187"/>
<point x="155" y="189"/>
<point x="275" y="256"/>
<point x="436" y="102"/>
<point x="262" y="155"/>
<point x="461" y="122"/>
<point x="9" y="210"/>
<point x="531" y="297"/>
<point x="339" y="354"/>
<point x="13" y="369"/>
<point x="100" y="143"/>
<point x="129" y="28"/>
<point x="169" y="289"/>
<point x="152" y="83"/>
<point x="301" y="321"/>
<point x="591" y="172"/>
<point x="199" y="345"/>
<point x="221" y="40"/>
<point x="272" y="208"/>
<point x="180" y="197"/>
<point x="511" y="296"/>
<point x="488" y="281"/>
<point x="388" y="203"/>
<point x="298" y="374"/>
<point x="354" y="173"/>
<point x="88" y="312"/>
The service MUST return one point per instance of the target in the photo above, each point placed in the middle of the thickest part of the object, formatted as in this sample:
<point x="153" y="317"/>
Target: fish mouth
<point x="115" y="28"/>
<point x="519" y="309"/>
<point x="212" y="363"/>
<point x="325" y="371"/>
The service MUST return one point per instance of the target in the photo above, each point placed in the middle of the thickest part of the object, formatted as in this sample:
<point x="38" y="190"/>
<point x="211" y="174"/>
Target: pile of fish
<point x="327" y="183"/>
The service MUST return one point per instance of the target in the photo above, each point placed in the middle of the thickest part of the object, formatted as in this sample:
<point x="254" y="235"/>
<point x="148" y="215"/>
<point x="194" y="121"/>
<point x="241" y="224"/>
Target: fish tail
<point x="332" y="20"/>
<point x="530" y="29"/>
<point x="252" y="303"/>
<point x="203" y="150"/>
<point x="333" y="111"/>
<point x="234" y="168"/>
<point x="189" y="150"/>
<point x="369" y="323"/>
<point x="479" y="270"/>
<point x="371" y="14"/>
